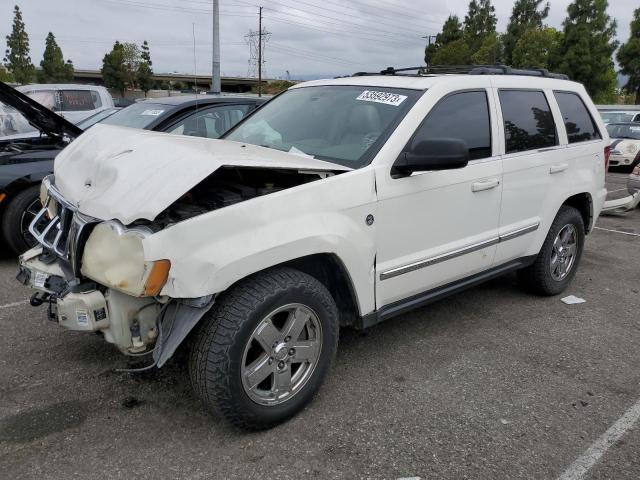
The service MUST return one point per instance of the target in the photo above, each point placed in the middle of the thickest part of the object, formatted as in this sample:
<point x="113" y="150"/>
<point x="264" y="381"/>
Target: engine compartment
<point x="228" y="186"/>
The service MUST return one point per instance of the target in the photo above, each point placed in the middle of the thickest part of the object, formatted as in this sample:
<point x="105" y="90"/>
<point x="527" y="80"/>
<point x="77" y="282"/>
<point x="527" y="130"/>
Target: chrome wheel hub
<point x="563" y="253"/>
<point x="281" y="354"/>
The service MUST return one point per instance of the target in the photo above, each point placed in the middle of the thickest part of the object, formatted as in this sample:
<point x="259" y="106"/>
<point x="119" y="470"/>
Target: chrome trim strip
<point x="394" y="272"/>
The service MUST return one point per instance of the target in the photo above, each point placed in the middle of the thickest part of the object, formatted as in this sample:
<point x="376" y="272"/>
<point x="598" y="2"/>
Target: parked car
<point x="625" y="144"/>
<point x="97" y="118"/>
<point x="27" y="158"/>
<point x="73" y="102"/>
<point x="619" y="113"/>
<point x="340" y="202"/>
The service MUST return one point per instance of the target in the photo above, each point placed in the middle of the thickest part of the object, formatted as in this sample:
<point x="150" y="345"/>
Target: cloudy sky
<point x="309" y="38"/>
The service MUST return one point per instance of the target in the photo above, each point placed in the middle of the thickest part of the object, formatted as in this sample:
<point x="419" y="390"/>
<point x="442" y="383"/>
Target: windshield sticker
<point x="382" y="97"/>
<point x="152" y="113"/>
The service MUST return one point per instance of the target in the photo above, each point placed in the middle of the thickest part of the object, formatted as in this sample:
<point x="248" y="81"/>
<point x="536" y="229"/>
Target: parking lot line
<point x="14" y="304"/>
<point x="581" y="466"/>
<point x="618" y="231"/>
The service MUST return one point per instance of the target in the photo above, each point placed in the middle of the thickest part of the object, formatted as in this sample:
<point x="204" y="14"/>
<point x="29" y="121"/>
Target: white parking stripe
<point x="14" y="304"/>
<point x="618" y="231"/>
<point x="589" y="458"/>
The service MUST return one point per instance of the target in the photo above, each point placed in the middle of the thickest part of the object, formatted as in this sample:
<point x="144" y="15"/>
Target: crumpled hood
<point x="122" y="173"/>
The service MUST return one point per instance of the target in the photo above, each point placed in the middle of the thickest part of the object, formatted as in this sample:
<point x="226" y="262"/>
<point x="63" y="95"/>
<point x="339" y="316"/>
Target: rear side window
<point x="463" y="116"/>
<point x="577" y="120"/>
<point x="528" y="122"/>
<point x="79" y="100"/>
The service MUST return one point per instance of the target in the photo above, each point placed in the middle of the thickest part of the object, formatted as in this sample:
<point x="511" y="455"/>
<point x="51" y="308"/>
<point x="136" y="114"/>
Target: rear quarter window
<point x="528" y="121"/>
<point x="577" y="120"/>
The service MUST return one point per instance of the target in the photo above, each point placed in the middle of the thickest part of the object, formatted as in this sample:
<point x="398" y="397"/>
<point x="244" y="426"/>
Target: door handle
<point x="558" y="168"/>
<point x="485" y="185"/>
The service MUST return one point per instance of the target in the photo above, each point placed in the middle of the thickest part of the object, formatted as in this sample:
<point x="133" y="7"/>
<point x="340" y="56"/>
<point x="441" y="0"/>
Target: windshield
<point x="96" y="117"/>
<point x="138" y="115"/>
<point x="624" y="131"/>
<point x="12" y="122"/>
<point x="342" y="124"/>
<point x="617" y="117"/>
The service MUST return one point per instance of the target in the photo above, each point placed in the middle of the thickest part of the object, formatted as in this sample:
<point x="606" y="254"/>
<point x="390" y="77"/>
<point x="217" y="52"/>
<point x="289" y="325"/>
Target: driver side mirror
<point x="437" y="154"/>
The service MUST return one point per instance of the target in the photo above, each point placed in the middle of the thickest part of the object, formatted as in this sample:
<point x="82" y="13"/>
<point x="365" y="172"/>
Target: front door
<point x="437" y="227"/>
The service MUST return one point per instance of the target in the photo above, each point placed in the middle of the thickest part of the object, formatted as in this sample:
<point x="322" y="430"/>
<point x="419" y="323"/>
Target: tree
<point x="629" y="58"/>
<point x="453" y="53"/>
<point x="17" y="59"/>
<point x="5" y="76"/>
<point x="145" y="71"/>
<point x="479" y="22"/>
<point x="53" y="67"/>
<point x="537" y="48"/>
<point x="114" y="72"/>
<point x="490" y="51"/>
<point x="451" y="31"/>
<point x="525" y="16"/>
<point x="587" y="46"/>
<point x="131" y="59"/>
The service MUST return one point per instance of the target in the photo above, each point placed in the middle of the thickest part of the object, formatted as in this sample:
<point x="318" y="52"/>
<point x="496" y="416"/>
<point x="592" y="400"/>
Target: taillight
<point x="607" y="153"/>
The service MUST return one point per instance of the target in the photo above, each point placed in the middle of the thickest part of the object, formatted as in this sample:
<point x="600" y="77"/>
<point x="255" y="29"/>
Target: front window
<point x="138" y="115"/>
<point x="624" y="131"/>
<point x="341" y="124"/>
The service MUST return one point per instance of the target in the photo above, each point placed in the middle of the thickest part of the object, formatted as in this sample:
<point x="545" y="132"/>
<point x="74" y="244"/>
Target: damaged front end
<point x="93" y="276"/>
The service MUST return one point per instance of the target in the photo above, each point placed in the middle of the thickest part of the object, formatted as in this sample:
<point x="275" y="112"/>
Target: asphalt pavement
<point x="492" y="383"/>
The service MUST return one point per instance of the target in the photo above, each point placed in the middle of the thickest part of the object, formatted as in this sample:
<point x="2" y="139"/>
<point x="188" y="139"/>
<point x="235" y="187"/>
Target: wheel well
<point x="584" y="204"/>
<point x="329" y="270"/>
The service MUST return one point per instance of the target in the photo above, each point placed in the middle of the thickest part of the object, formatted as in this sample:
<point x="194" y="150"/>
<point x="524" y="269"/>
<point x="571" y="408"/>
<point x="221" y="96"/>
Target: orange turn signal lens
<point x="157" y="277"/>
<point x="3" y="196"/>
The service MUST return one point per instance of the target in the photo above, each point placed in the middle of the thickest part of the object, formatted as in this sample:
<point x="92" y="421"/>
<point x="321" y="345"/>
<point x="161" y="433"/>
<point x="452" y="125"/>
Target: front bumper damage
<point x="135" y="325"/>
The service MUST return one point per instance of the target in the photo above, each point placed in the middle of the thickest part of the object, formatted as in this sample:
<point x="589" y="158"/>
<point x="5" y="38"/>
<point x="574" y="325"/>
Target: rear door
<point x="536" y="170"/>
<point x="440" y="226"/>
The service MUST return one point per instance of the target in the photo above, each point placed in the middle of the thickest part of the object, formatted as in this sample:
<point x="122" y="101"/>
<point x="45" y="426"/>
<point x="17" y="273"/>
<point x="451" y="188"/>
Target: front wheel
<point x="265" y="347"/>
<point x="557" y="262"/>
<point x="17" y="218"/>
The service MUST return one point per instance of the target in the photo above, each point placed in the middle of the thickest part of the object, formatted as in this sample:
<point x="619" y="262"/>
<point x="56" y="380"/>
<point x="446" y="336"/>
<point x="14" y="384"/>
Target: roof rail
<point x="466" y="69"/>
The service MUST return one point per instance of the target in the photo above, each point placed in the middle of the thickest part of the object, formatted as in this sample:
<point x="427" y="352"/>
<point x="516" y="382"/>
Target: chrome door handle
<point x="485" y="185"/>
<point x="558" y="168"/>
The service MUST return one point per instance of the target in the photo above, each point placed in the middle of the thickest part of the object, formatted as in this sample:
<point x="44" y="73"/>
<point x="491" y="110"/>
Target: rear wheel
<point x="265" y="347"/>
<point x="560" y="255"/>
<point x="18" y="216"/>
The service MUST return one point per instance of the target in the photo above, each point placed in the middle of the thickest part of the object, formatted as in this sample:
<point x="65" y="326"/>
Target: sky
<point x="308" y="38"/>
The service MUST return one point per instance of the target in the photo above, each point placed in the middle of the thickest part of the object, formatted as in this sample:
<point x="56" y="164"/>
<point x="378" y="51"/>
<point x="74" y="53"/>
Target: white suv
<point x="340" y="202"/>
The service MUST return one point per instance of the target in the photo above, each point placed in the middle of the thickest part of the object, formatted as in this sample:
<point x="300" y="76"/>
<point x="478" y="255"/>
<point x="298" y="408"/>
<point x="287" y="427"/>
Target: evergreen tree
<point x="145" y="71"/>
<point x="453" y="53"/>
<point x="629" y="58"/>
<point x="490" y="51"/>
<point x="5" y="76"/>
<point x="537" y="48"/>
<point x="114" y="72"/>
<point x="53" y="67"/>
<point x="451" y="31"/>
<point x="525" y="16"/>
<point x="479" y="22"/>
<point x="17" y="59"/>
<point x="587" y="47"/>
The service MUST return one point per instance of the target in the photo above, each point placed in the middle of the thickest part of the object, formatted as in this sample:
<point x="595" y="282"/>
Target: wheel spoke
<point x="571" y="250"/>
<point x="282" y="381"/>
<point x="306" y="351"/>
<point x="258" y="371"/>
<point x="295" y="323"/>
<point x="267" y="335"/>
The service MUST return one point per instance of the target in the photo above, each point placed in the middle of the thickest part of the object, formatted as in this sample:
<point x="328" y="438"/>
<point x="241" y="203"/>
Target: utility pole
<point x="215" y="60"/>
<point x="260" y="53"/>
<point x="428" y="38"/>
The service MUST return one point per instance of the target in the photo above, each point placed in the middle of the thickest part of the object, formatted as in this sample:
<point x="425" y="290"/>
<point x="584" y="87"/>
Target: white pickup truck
<point x="340" y="202"/>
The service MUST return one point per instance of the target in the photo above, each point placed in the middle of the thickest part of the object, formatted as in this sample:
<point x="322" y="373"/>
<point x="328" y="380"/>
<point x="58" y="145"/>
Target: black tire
<point x="217" y="351"/>
<point x="538" y="277"/>
<point x="16" y="219"/>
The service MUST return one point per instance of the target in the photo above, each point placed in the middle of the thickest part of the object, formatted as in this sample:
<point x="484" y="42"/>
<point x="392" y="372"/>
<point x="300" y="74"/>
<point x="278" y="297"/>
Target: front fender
<point x="211" y="252"/>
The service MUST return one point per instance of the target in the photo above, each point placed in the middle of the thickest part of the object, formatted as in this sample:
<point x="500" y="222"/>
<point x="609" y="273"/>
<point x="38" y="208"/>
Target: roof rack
<point x="466" y="69"/>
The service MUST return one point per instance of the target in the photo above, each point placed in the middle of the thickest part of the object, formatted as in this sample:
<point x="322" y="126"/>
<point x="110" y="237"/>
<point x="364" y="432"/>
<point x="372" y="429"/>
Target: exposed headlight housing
<point x="631" y="148"/>
<point x="113" y="256"/>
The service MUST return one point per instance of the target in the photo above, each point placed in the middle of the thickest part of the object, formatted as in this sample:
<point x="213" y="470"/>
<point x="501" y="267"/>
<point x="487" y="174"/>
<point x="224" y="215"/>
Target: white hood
<point x="126" y="174"/>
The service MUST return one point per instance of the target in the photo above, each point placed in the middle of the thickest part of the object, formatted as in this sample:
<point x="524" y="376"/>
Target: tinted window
<point x="463" y="116"/>
<point x="79" y="100"/>
<point x="210" y="122"/>
<point x="577" y="120"/>
<point x="528" y="122"/>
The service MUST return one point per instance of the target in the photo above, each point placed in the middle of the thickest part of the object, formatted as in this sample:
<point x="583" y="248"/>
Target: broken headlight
<point x="113" y="256"/>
